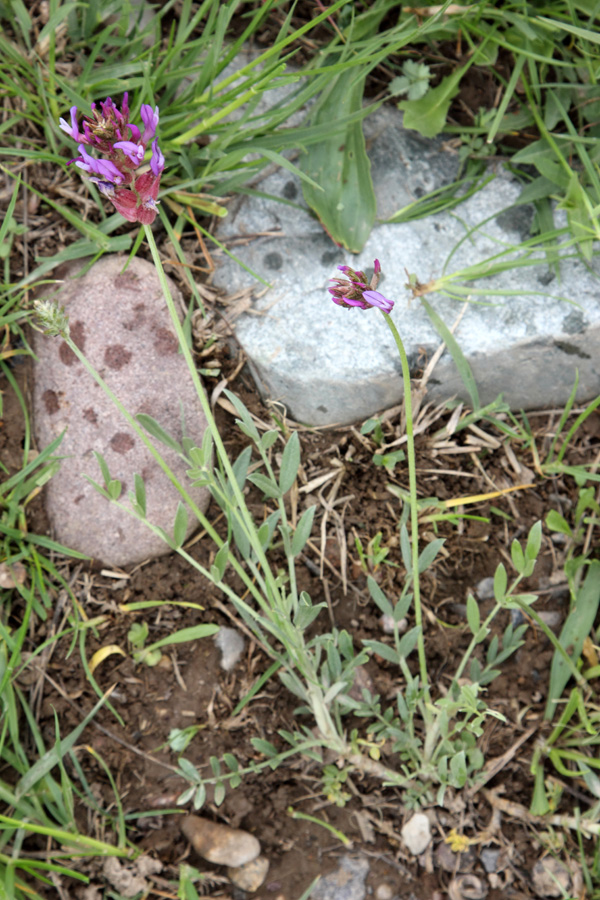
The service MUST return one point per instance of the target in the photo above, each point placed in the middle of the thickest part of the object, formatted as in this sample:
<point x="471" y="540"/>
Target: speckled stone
<point x="120" y="321"/>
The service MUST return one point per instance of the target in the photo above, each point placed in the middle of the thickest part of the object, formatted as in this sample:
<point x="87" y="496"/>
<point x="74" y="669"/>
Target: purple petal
<point x="136" y="134"/>
<point x="157" y="162"/>
<point x="72" y="130"/>
<point x="149" y="117"/>
<point x="374" y="298"/>
<point x="105" y="187"/>
<point x="103" y="167"/>
<point x="134" y="152"/>
<point x="377" y="267"/>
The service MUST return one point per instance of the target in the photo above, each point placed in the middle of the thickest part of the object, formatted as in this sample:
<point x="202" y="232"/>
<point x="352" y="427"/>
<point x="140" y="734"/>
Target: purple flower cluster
<point x="122" y="147"/>
<point x="354" y="290"/>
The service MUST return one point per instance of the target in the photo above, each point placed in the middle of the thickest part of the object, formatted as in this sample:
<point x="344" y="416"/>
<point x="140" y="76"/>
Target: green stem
<point x="414" y="513"/>
<point x="187" y="355"/>
<point x="204" y="522"/>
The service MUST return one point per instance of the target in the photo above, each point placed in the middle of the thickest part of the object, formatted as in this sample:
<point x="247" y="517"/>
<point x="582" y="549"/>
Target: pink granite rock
<point x="121" y="323"/>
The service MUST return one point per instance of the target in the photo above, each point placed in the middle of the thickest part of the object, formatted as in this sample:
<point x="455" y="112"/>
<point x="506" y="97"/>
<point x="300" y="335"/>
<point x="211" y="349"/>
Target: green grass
<point x="543" y="61"/>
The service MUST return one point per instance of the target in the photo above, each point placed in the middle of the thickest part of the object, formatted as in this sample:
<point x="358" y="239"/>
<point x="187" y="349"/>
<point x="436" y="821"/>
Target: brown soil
<point x="189" y="688"/>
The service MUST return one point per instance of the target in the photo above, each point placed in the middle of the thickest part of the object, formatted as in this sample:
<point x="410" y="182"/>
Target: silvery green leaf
<point x="156" y="430"/>
<point x="473" y="617"/>
<point x="220" y="563"/>
<point x="140" y="493"/>
<point x="265" y="747"/>
<point x="303" y="529"/>
<point x="379" y="597"/>
<point x="240" y="466"/>
<point x="290" y="463"/>
<point x="219" y="794"/>
<point x="200" y="797"/>
<point x="383" y="650"/>
<point x="188" y="769"/>
<point x="517" y="556"/>
<point x="408" y="641"/>
<point x="268" y="438"/>
<point x="428" y="555"/>
<point x="265" y="484"/>
<point x="500" y="583"/>
<point x="180" y="525"/>
<point x="246" y="424"/>
<point x="534" y="541"/>
<point x="114" y="488"/>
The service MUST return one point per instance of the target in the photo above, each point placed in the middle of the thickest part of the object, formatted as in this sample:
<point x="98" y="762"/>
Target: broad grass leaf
<point x="51" y="758"/>
<point x="194" y="633"/>
<point x="579" y="215"/>
<point x="346" y="205"/>
<point x="428" y="115"/>
<point x="577" y="627"/>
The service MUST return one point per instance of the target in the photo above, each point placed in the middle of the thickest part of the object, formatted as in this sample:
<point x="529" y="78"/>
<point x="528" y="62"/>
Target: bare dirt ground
<point x="189" y="687"/>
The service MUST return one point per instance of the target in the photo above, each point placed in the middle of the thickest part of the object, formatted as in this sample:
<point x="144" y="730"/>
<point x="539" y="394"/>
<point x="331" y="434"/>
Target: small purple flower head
<point x="355" y="290"/>
<point x="114" y="167"/>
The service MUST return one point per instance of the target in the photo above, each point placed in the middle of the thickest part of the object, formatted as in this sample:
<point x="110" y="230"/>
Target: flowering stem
<point x="250" y="528"/>
<point x="414" y="514"/>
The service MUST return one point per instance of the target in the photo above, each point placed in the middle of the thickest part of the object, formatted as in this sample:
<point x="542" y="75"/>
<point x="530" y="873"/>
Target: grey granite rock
<point x="330" y="365"/>
<point x="121" y="323"/>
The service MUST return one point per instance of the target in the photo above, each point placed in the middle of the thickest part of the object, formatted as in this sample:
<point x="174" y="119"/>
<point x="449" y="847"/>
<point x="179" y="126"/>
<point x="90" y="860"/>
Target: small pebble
<point x="387" y="625"/>
<point x="219" y="843"/>
<point x="545" y="875"/>
<point x="489" y="859"/>
<point x="384" y="892"/>
<point x="485" y="588"/>
<point x="552" y="618"/>
<point x="250" y="876"/>
<point x="516" y="617"/>
<point x="12" y="575"/>
<point x="231" y="644"/>
<point x="416" y="834"/>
